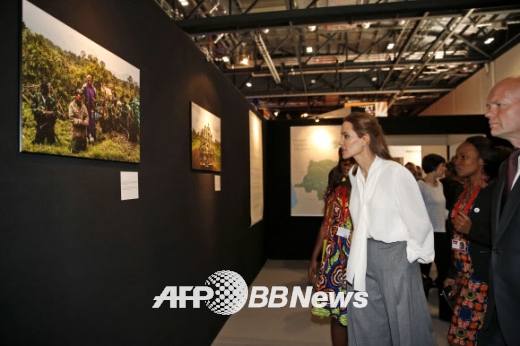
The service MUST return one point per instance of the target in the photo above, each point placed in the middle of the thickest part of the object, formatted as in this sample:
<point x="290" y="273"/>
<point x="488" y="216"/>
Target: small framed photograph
<point x="205" y="140"/>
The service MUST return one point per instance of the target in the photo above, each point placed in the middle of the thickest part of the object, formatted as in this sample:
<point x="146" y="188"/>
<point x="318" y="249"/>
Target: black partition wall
<point x="78" y="265"/>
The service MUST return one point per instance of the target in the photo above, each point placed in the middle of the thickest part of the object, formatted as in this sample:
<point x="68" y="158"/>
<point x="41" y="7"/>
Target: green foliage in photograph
<point x="117" y="101"/>
<point x="214" y="148"/>
<point x="117" y="148"/>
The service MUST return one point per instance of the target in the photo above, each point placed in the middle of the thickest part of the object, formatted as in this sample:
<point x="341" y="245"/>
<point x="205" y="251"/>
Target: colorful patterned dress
<point x="472" y="293"/>
<point x="331" y="277"/>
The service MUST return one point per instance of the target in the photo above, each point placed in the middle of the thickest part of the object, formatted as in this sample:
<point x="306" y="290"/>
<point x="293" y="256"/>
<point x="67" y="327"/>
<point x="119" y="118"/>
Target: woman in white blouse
<point x="393" y="234"/>
<point x="432" y="192"/>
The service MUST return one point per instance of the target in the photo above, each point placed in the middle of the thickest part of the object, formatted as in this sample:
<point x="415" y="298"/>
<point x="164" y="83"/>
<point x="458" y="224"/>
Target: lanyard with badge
<point x="457" y="244"/>
<point x="343" y="231"/>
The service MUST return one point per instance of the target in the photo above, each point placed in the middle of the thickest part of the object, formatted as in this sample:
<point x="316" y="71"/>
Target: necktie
<point x="512" y="167"/>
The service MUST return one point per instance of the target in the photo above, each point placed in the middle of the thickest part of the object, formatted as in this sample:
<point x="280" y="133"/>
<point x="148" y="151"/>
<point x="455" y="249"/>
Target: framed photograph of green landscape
<point x="205" y="140"/>
<point x="78" y="99"/>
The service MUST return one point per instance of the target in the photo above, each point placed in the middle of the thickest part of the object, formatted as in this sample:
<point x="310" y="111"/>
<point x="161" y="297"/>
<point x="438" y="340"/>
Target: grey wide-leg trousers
<point x="396" y="312"/>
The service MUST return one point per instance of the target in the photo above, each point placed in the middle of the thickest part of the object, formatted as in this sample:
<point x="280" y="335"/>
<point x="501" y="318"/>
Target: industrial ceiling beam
<point x="263" y="50"/>
<point x="195" y="9"/>
<point x="354" y="67"/>
<point x="238" y="5"/>
<point x="342" y="14"/>
<point x="404" y="49"/>
<point x="437" y="45"/>
<point x="363" y="92"/>
<point x="251" y="7"/>
<point x="510" y="43"/>
<point x="320" y="47"/>
<point x="313" y="2"/>
<point x="280" y="44"/>
<point x="441" y="38"/>
<point x="297" y="47"/>
<point x="372" y="45"/>
<point x="463" y="39"/>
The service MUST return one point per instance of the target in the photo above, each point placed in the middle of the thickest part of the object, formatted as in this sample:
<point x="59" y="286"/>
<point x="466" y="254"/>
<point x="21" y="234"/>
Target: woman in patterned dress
<point x="337" y="231"/>
<point x="470" y="226"/>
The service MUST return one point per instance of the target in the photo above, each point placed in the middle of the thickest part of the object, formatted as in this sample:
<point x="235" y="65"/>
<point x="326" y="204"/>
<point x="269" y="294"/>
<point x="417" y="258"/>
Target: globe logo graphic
<point x="230" y="292"/>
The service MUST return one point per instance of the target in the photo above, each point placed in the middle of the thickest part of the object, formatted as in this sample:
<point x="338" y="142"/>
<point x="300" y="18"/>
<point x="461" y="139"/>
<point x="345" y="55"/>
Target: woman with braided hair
<point x="336" y="231"/>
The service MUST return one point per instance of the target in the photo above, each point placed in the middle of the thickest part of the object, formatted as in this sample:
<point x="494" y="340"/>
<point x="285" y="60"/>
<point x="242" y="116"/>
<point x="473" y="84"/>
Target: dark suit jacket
<point x="505" y="261"/>
<point x="480" y="232"/>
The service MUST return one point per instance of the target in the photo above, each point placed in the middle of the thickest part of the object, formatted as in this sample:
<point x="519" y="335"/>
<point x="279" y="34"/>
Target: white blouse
<point x="387" y="207"/>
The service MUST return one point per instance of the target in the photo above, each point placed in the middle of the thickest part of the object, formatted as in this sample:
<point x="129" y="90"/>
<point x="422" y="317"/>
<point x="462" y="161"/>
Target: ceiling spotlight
<point x="249" y="85"/>
<point x="225" y="58"/>
<point x="244" y="59"/>
<point x="374" y="79"/>
<point x="365" y="25"/>
<point x="184" y="2"/>
<point x="312" y="27"/>
<point x="309" y="49"/>
<point x="390" y="46"/>
<point x="317" y="119"/>
<point x="219" y="37"/>
<point x="265" y="31"/>
<point x="489" y="40"/>
<point x="305" y="115"/>
<point x="276" y="112"/>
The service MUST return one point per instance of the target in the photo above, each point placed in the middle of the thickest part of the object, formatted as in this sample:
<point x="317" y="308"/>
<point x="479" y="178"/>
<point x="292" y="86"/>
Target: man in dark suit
<point x="502" y="321"/>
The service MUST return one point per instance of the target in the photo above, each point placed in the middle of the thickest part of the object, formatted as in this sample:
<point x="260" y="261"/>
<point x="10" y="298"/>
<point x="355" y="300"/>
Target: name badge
<point x="458" y="245"/>
<point x="343" y="232"/>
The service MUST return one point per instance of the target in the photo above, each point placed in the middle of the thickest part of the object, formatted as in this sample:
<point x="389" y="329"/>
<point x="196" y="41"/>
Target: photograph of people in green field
<point x="77" y="99"/>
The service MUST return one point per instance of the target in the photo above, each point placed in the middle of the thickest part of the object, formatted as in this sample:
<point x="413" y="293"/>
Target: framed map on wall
<point x="314" y="152"/>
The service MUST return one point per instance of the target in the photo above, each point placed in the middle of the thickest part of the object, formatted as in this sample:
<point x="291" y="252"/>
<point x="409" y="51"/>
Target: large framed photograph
<point x="77" y="99"/>
<point x="205" y="140"/>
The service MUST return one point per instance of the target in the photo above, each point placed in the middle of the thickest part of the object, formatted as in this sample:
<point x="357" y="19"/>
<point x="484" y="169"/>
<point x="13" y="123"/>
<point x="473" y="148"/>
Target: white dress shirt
<point x="387" y="207"/>
<point x="517" y="173"/>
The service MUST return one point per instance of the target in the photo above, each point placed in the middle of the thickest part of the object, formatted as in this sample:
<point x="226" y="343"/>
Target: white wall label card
<point x="129" y="185"/>
<point x="217" y="182"/>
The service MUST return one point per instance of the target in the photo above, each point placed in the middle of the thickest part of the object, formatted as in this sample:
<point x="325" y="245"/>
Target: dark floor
<point x="293" y="326"/>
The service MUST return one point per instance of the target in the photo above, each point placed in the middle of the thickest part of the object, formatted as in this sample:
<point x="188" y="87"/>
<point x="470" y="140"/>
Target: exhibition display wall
<point x="293" y="237"/>
<point x="81" y="266"/>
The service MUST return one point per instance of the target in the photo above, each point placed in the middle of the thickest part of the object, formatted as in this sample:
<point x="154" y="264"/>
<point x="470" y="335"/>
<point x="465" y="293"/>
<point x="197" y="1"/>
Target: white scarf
<point x="362" y="191"/>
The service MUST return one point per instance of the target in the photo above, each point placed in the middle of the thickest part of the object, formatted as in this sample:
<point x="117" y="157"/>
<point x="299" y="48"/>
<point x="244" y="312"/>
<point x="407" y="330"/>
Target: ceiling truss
<point x="312" y="56"/>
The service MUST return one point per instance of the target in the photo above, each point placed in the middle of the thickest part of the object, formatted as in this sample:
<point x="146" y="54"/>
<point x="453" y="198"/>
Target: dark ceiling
<point x="290" y="57"/>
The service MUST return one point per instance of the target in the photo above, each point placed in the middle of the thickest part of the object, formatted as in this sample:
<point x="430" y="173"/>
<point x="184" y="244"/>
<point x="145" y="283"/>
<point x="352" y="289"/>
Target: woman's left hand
<point x="462" y="223"/>
<point x="312" y="270"/>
